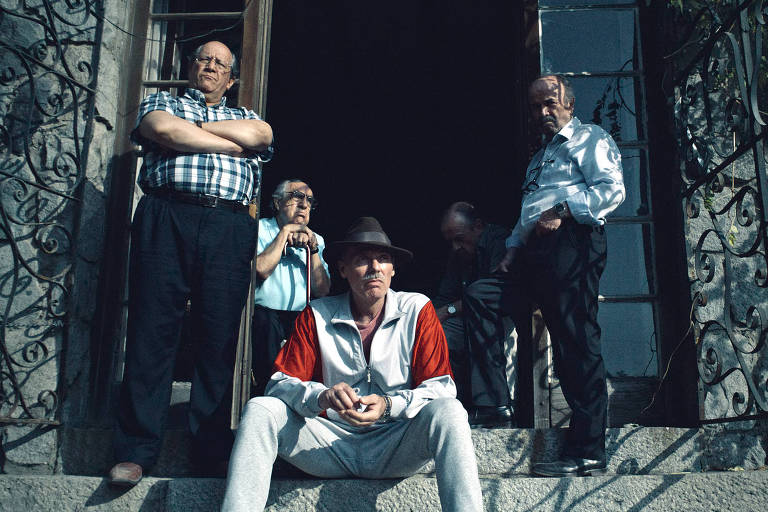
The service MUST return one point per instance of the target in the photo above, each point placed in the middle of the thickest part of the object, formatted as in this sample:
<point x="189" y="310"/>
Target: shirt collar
<point x="272" y="222"/>
<point x="567" y="131"/>
<point x="199" y="97"/>
<point x="343" y="314"/>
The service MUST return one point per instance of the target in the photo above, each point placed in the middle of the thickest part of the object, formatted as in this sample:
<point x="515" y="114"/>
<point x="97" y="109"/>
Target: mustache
<point x="370" y="276"/>
<point x="551" y="119"/>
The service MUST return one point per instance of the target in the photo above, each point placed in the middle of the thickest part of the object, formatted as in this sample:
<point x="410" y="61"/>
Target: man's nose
<point x="375" y="264"/>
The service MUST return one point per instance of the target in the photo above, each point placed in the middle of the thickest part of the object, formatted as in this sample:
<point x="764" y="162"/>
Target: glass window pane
<point x="160" y="6"/>
<point x="628" y="270"/>
<point x="628" y="339"/>
<point x="610" y="103"/>
<point x="580" y="3"/>
<point x="637" y="202"/>
<point x="196" y="6"/>
<point x="162" y="59"/>
<point x="578" y="41"/>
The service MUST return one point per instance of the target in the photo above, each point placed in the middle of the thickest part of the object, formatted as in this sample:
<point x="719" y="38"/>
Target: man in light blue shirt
<point x="555" y="257"/>
<point x="281" y="265"/>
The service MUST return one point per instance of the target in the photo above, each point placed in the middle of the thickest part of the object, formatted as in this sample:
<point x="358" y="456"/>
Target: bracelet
<point x="314" y="251"/>
<point x="199" y="123"/>
<point x="387" y="409"/>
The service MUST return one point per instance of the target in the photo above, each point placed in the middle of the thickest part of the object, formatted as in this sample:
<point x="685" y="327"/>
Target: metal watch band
<point x="387" y="409"/>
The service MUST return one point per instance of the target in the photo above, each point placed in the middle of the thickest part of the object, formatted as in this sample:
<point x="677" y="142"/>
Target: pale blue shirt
<point x="286" y="287"/>
<point x="580" y="165"/>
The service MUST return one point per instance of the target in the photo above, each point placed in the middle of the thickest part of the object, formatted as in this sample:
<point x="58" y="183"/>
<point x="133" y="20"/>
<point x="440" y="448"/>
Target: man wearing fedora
<point x="363" y="388"/>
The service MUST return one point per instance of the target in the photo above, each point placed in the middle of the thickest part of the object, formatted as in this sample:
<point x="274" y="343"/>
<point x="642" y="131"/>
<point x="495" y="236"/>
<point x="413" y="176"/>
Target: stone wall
<point x="60" y="70"/>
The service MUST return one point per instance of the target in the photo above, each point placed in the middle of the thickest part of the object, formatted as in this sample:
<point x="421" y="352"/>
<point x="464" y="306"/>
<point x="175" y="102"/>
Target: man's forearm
<point x="252" y="134"/>
<point x="175" y="133"/>
<point x="268" y="259"/>
<point x="321" y="282"/>
<point x="301" y="396"/>
<point x="442" y="311"/>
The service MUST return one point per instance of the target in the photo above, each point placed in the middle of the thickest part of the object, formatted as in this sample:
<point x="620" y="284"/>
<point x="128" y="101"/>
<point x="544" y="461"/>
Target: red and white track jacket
<point x="408" y="361"/>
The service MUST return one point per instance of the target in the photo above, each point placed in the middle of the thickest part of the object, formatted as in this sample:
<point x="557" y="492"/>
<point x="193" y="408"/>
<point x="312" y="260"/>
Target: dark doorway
<point x="396" y="109"/>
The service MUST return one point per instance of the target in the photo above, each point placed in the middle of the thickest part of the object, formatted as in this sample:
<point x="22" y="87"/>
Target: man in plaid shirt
<point x="192" y="238"/>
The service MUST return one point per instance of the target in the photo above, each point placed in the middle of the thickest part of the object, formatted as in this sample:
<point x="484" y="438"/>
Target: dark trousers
<point x="181" y="251"/>
<point x="561" y="273"/>
<point x="270" y="328"/>
<point x="476" y="347"/>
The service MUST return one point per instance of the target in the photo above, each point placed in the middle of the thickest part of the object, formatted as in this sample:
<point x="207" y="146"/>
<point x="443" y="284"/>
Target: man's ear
<point x="231" y="82"/>
<point x="341" y="269"/>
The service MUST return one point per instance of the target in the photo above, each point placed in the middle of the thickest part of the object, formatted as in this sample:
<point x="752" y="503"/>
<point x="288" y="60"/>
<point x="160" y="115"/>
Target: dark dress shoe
<point x="491" y="417"/>
<point x="125" y="474"/>
<point x="570" y="466"/>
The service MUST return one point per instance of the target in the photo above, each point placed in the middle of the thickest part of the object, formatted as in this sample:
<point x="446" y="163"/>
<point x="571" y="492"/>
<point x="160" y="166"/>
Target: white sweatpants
<point x="323" y="448"/>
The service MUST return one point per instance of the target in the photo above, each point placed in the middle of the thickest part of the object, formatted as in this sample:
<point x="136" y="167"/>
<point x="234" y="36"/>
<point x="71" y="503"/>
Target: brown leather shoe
<point x="125" y="474"/>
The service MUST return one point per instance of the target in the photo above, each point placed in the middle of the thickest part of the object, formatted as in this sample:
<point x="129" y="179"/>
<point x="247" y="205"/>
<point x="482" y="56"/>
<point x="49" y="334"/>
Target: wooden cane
<point x="241" y="377"/>
<point x="309" y="273"/>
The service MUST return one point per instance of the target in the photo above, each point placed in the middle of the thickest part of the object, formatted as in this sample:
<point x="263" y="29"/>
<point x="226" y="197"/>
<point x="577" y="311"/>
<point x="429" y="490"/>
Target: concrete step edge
<point x="733" y="490"/>
<point x="630" y="450"/>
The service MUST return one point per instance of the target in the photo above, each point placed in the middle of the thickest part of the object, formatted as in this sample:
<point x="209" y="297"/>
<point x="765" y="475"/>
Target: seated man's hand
<point x="299" y="235"/>
<point x="505" y="265"/>
<point x="340" y="398"/>
<point x="375" y="405"/>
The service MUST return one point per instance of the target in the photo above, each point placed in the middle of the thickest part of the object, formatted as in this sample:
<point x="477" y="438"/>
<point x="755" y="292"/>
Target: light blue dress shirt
<point x="580" y="165"/>
<point x="286" y="287"/>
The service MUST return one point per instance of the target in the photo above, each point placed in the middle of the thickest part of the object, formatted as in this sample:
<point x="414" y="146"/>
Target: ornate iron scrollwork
<point x="720" y="87"/>
<point x="46" y="96"/>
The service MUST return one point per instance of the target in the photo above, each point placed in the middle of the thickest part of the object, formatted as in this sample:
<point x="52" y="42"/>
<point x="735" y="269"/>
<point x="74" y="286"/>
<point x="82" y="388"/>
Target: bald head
<point x="211" y="70"/>
<point x="461" y="227"/>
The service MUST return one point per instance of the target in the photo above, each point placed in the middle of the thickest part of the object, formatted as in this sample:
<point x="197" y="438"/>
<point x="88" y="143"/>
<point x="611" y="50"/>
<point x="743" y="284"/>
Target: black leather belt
<point x="200" y="199"/>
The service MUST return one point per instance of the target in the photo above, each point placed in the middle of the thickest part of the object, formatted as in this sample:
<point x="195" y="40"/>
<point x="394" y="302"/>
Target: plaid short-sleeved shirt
<point x="215" y="174"/>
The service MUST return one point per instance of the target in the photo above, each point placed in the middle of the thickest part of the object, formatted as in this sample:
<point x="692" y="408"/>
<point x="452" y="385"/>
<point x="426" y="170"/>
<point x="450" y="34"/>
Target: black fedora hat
<point x="366" y="231"/>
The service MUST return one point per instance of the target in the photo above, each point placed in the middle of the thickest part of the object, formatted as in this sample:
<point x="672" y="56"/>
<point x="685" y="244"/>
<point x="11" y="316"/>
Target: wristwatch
<point x="561" y="209"/>
<point x="451" y="309"/>
<point x="387" y="409"/>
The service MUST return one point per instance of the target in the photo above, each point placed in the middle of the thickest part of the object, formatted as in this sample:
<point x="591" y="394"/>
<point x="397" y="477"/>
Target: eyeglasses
<point x="300" y="197"/>
<point x="219" y="65"/>
<point x="532" y="185"/>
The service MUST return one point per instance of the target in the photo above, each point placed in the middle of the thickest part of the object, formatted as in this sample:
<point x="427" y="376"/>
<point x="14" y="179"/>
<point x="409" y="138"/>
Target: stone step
<point x="500" y="452"/>
<point x="741" y="491"/>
